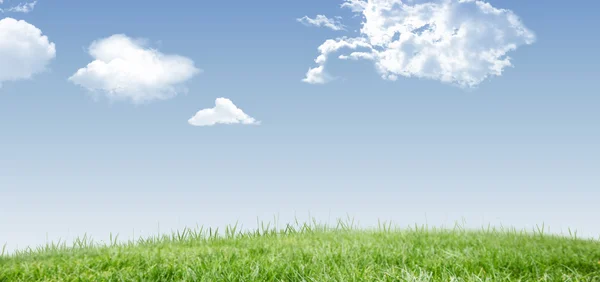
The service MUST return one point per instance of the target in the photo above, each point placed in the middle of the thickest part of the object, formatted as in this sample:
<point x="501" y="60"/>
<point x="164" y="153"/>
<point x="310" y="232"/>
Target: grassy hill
<point x="316" y="253"/>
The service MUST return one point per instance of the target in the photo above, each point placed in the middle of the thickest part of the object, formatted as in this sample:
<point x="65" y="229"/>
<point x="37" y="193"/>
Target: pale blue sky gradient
<point x="521" y="149"/>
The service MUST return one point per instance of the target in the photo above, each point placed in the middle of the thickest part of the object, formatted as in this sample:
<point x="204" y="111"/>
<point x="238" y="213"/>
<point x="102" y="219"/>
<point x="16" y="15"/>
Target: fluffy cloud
<point x="461" y="42"/>
<point x="322" y="21"/>
<point x="224" y="112"/>
<point x="125" y="69"/>
<point x="317" y="75"/>
<point x="24" y="51"/>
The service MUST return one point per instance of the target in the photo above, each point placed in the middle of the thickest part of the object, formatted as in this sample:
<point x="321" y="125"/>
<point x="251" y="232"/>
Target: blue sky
<point x="517" y="149"/>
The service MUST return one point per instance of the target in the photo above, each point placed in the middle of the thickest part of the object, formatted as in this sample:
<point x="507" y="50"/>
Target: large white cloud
<point x="125" y="69"/>
<point x="224" y="112"/>
<point x="462" y="42"/>
<point x="24" y="51"/>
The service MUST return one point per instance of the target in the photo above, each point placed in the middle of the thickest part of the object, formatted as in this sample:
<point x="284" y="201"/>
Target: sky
<point x="141" y="117"/>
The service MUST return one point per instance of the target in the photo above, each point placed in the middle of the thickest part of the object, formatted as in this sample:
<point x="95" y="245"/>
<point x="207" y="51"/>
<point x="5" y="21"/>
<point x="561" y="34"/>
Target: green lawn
<point x="313" y="253"/>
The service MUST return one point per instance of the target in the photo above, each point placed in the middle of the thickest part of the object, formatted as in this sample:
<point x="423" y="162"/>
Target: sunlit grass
<point x="315" y="252"/>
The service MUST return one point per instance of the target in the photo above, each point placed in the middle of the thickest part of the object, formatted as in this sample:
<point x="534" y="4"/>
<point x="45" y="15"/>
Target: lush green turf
<point x="315" y="253"/>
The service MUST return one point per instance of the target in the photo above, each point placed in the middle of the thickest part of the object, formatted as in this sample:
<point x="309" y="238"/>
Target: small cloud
<point x="355" y="5"/>
<point x="22" y="8"/>
<point x="316" y="75"/>
<point x="322" y="21"/>
<point x="24" y="51"/>
<point x="125" y="69"/>
<point x="224" y="112"/>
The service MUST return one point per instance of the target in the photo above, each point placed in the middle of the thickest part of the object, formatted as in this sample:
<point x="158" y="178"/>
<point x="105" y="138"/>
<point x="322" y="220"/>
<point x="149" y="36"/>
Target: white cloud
<point x="125" y="69"/>
<point x="224" y="112"/>
<point x="462" y="42"/>
<point x="355" y="5"/>
<point x="24" y="51"/>
<point x="322" y="21"/>
<point x="317" y="75"/>
<point x="22" y="8"/>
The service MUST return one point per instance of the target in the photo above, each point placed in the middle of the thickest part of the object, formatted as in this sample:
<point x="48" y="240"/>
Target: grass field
<point x="312" y="252"/>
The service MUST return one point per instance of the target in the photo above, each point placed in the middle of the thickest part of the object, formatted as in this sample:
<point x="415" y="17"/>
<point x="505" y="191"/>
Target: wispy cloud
<point x="322" y="21"/>
<point x="126" y="69"/>
<point x="317" y="75"/>
<point x="355" y="5"/>
<point x="462" y="42"/>
<point x="224" y="112"/>
<point x="24" y="50"/>
<point x="21" y="8"/>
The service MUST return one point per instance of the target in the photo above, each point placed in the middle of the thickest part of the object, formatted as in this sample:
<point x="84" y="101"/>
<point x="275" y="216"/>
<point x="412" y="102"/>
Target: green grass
<point x="312" y="252"/>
